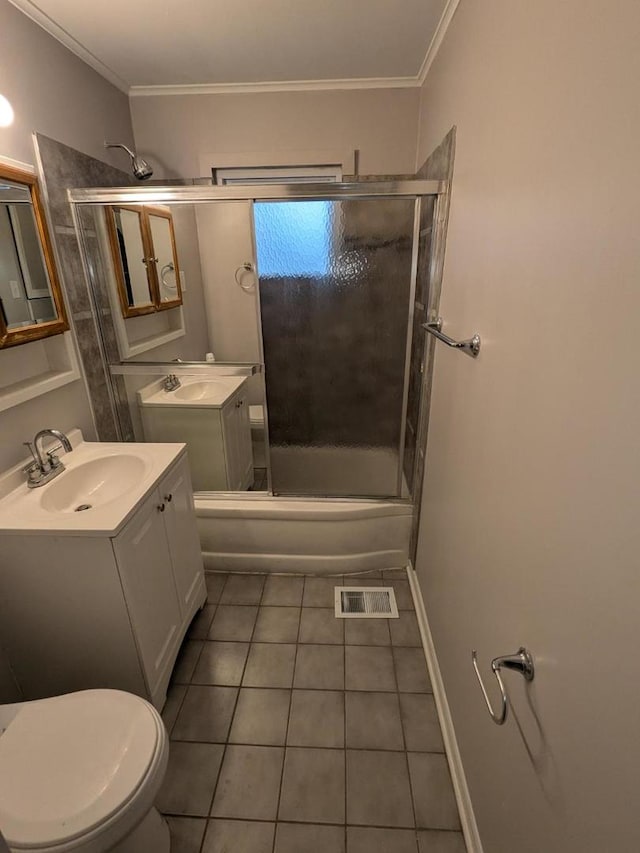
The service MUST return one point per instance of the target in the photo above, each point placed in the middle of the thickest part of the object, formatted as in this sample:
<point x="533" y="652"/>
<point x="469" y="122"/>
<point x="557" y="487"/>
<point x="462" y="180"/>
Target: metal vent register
<point x="358" y="602"/>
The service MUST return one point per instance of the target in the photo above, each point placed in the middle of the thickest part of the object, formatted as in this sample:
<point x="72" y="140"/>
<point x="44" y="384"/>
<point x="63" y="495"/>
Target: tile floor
<point x="296" y="732"/>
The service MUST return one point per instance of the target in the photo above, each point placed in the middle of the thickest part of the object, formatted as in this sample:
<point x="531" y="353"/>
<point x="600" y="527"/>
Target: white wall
<point x="173" y="132"/>
<point x="530" y="529"/>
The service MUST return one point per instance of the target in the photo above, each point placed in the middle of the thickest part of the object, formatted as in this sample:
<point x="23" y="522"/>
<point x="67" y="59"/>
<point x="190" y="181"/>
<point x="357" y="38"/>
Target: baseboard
<point x="303" y="563"/>
<point x="463" y="799"/>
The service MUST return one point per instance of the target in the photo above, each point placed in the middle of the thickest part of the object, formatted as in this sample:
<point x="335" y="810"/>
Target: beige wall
<point x="530" y="530"/>
<point x="54" y="92"/>
<point x="173" y="132"/>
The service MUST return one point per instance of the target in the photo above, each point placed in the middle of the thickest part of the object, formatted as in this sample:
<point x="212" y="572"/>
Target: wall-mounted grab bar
<point x="521" y="662"/>
<point x="470" y="347"/>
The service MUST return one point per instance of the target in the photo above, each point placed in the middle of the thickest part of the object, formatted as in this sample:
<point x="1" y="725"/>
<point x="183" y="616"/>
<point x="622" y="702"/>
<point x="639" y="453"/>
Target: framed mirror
<point x="132" y="260"/>
<point x="31" y="305"/>
<point x="144" y="253"/>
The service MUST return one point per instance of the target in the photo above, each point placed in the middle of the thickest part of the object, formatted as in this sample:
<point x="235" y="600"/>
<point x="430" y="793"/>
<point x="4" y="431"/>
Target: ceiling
<point x="226" y="44"/>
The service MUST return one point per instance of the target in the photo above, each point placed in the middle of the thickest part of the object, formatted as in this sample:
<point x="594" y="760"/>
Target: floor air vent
<point x="365" y="602"/>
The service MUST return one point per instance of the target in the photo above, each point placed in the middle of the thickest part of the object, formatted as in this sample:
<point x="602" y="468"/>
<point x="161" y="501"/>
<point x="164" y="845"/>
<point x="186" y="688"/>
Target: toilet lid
<point x="68" y="763"/>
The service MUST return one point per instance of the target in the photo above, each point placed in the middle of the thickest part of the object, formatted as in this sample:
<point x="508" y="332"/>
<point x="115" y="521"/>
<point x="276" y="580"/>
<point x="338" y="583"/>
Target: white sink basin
<point x="99" y="490"/>
<point x="93" y="483"/>
<point x="210" y="393"/>
<point x="196" y="391"/>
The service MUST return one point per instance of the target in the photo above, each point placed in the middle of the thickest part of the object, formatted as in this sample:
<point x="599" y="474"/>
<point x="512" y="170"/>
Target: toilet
<point x="80" y="772"/>
<point x="256" y="421"/>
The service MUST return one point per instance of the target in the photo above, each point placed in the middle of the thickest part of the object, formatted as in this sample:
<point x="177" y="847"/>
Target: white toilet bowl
<point x="256" y="421"/>
<point x="80" y="773"/>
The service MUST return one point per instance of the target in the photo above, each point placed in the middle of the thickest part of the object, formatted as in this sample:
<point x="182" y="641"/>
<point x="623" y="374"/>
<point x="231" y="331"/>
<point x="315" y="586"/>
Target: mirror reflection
<point x="30" y="301"/>
<point x="263" y="379"/>
<point x="144" y="258"/>
<point x="165" y="258"/>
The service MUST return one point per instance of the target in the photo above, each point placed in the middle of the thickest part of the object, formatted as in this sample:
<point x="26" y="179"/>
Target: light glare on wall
<point x="6" y="112"/>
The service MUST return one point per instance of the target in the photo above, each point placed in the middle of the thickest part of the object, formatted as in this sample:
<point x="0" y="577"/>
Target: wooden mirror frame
<point x="36" y="332"/>
<point x="130" y="310"/>
<point x="153" y="274"/>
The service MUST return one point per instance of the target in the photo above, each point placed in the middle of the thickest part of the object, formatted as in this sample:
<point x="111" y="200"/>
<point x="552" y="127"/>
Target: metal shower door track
<point x="248" y="192"/>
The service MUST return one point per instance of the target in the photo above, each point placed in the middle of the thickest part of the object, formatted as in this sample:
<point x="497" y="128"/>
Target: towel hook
<point x="521" y="662"/>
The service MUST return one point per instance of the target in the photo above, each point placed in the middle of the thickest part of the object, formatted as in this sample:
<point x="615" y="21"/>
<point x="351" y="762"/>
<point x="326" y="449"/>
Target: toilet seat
<point x="77" y="767"/>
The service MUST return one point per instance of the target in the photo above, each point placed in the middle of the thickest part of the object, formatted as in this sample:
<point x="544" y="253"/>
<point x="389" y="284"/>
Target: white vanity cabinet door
<point x="145" y="567"/>
<point x="182" y="534"/>
<point x="236" y="429"/>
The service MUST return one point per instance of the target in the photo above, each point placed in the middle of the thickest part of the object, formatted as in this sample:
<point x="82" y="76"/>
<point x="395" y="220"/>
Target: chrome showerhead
<point x="140" y="168"/>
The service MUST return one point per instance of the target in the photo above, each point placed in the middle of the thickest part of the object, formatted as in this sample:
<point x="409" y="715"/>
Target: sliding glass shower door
<point x="336" y="287"/>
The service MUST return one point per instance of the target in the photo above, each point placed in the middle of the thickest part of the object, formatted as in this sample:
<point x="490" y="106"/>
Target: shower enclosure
<point x="336" y="282"/>
<point x="313" y="310"/>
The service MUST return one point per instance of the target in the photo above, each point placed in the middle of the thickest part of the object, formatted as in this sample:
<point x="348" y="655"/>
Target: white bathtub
<point x="325" y="536"/>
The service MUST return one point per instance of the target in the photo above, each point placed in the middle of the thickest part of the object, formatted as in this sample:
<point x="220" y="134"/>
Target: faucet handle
<point x="52" y="454"/>
<point x="33" y="472"/>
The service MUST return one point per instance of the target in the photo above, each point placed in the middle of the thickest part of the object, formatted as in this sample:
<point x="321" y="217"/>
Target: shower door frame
<point x="337" y="191"/>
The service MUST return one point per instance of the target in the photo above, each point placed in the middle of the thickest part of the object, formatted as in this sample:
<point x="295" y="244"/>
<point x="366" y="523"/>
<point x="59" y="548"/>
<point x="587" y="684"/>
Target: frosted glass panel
<point x="335" y="287"/>
<point x="294" y="238"/>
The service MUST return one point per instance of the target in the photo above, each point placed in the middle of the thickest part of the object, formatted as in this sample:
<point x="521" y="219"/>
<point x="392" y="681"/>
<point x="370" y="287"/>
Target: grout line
<point x="406" y="751"/>
<point x="233" y="713"/>
<point x="190" y="815"/>
<point x="286" y="734"/>
<point x="344" y="704"/>
<point x="312" y="689"/>
<point x="304" y="643"/>
<point x="215" y="787"/>
<point x="297" y="746"/>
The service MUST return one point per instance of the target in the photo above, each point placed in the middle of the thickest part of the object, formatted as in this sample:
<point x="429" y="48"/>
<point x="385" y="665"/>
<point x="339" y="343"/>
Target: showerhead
<point x="140" y="168"/>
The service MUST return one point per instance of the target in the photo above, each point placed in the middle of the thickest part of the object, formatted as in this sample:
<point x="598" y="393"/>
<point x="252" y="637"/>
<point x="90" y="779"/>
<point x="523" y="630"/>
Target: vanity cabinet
<point x="236" y="440"/>
<point x="82" y="611"/>
<point x="214" y="424"/>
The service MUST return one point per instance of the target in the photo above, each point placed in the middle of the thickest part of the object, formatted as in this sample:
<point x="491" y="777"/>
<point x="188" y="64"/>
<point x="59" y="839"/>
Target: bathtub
<point x="328" y="536"/>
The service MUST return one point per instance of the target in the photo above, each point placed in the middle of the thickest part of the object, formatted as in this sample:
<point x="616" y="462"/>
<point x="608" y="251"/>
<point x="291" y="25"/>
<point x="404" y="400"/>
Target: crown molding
<point x="438" y="37"/>
<point x="31" y="10"/>
<point x="276" y="86"/>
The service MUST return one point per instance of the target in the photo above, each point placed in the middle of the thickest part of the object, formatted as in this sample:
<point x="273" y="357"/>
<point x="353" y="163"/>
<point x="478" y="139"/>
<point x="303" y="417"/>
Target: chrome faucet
<point x="171" y="382"/>
<point x="45" y="465"/>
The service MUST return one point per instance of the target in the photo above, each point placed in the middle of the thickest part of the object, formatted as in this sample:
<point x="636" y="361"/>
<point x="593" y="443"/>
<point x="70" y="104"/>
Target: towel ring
<point x="247" y="266"/>
<point x="167" y="268"/>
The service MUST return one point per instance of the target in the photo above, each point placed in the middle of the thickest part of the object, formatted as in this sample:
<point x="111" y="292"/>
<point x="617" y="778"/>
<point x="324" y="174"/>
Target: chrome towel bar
<point x="521" y="662"/>
<point x="470" y="347"/>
